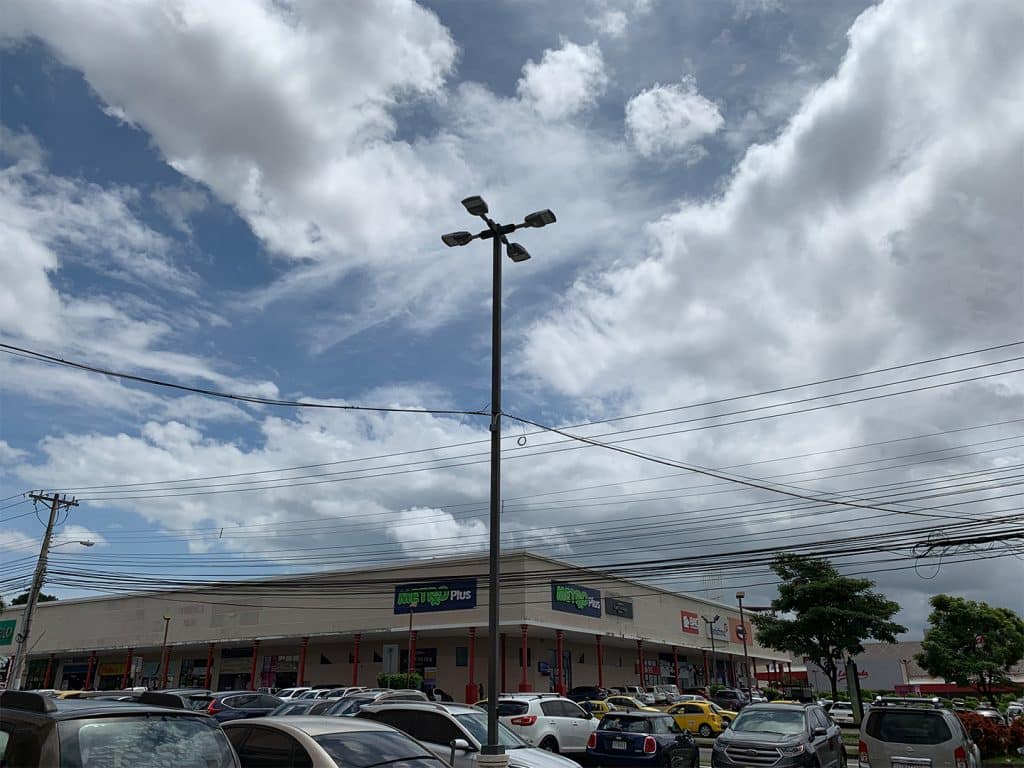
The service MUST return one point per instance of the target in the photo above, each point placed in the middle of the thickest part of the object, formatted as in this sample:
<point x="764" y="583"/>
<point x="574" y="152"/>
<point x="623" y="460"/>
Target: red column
<point x="89" y="671"/>
<point x="789" y="666"/>
<point x="49" y="672"/>
<point x="504" y="658"/>
<point x="209" y="667"/>
<point x="255" y="658"/>
<point x="302" y="661"/>
<point x="707" y="679"/>
<point x="559" y="672"/>
<point x="127" y="670"/>
<point x="732" y="670"/>
<point x="472" y="693"/>
<point x="410" y="667"/>
<point x="355" y="658"/>
<point x="640" y="657"/>
<point x="600" y="662"/>
<point x="675" y="666"/>
<point x="523" y="685"/>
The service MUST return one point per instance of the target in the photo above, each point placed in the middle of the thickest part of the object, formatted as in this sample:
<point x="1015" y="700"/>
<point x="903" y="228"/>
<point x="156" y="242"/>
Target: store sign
<point x="571" y="598"/>
<point x="691" y="622"/>
<point x="432" y="596"/>
<point x="739" y="632"/>
<point x="7" y="631"/>
<point x="425" y="657"/>
<point x="615" y="606"/>
<point x="718" y="630"/>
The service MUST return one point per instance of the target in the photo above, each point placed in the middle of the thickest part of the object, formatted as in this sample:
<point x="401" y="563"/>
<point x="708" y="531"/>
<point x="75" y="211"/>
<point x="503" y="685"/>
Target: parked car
<point x="630" y="703"/>
<point x="234" y="705"/>
<point x="325" y="742"/>
<point x="692" y="697"/>
<point x="315" y="693"/>
<point x="665" y="694"/>
<point x="781" y="735"/>
<point x="908" y="731"/>
<point x="727" y="715"/>
<point x="697" y="717"/>
<point x="287" y="694"/>
<point x="1014" y="710"/>
<point x="585" y="692"/>
<point x="841" y="712"/>
<point x="730" y="698"/>
<point x="293" y="708"/>
<point x="556" y="724"/>
<point x="456" y="733"/>
<point x="598" y="708"/>
<point x="991" y="714"/>
<point x="637" y="692"/>
<point x="349" y="706"/>
<point x="756" y="697"/>
<point x="642" y="738"/>
<point x="40" y="730"/>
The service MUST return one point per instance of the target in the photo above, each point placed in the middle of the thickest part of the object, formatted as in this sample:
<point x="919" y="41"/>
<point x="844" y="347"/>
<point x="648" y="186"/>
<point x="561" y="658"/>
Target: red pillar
<point x="49" y="671"/>
<point x="127" y="670"/>
<point x="302" y="661"/>
<point x="600" y="662"/>
<point x="559" y="671"/>
<point x="789" y="666"/>
<point x="707" y="679"/>
<point x="675" y="666"/>
<point x="410" y="666"/>
<point x="89" y="671"/>
<point x="355" y="658"/>
<point x="472" y="693"/>
<point x="640" y="658"/>
<point x="523" y="685"/>
<point x="504" y="658"/>
<point x="252" y="671"/>
<point x="209" y="667"/>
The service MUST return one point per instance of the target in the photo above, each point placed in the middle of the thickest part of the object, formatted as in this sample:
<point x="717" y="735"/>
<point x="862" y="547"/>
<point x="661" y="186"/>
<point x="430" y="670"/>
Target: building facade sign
<point x="615" y="606"/>
<point x="739" y="632"/>
<point x="427" y="597"/>
<point x="7" y="631"/>
<point x="718" y="630"/>
<point x="571" y="598"/>
<point x="690" y="622"/>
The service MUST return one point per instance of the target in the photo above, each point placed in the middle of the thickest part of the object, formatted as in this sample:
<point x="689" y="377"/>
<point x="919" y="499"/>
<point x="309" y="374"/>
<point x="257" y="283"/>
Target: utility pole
<point x="21" y="652"/>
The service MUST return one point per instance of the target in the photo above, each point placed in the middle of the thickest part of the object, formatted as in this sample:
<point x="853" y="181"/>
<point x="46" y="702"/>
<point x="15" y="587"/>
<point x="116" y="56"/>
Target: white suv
<point x="548" y="721"/>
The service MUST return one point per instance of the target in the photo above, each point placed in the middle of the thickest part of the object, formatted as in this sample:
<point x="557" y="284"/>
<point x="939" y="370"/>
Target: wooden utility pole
<point x="56" y="503"/>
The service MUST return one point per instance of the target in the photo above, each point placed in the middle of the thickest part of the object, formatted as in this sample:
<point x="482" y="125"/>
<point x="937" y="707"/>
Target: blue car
<point x="234" y="705"/>
<point x="639" y="739"/>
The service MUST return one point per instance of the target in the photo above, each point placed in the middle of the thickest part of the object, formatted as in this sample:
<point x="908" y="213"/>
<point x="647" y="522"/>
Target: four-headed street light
<point x="517" y="253"/>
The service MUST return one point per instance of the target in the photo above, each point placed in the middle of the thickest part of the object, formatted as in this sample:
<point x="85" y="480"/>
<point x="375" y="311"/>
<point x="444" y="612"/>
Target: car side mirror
<point x="588" y="716"/>
<point x="819" y="731"/>
<point x="460" y="744"/>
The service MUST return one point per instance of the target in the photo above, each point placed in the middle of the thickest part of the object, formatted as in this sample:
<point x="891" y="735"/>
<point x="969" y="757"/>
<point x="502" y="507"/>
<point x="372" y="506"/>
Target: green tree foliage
<point x="824" y="615"/>
<point x="971" y="643"/>
<point x="22" y="599"/>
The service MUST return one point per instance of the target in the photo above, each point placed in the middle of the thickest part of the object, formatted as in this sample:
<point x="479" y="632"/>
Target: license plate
<point x="623" y="745"/>
<point x="911" y="763"/>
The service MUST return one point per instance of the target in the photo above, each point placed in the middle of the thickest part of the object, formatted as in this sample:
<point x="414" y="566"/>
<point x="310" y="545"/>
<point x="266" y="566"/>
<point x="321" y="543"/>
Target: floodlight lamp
<point x="740" y="595"/>
<point x="540" y="218"/>
<point x="475" y="205"/>
<point x="517" y="253"/>
<point x="87" y="543"/>
<point x="453" y="239"/>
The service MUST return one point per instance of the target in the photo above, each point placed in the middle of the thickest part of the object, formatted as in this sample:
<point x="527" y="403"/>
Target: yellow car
<point x="628" y="703"/>
<point x="727" y="715"/>
<point x="697" y="717"/>
<point x="598" y="708"/>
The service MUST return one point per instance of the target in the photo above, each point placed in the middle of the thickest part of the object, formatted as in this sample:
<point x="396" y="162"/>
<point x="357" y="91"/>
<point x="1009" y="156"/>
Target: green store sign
<point x="7" y="631"/>
<point x="435" y="596"/>
<point x="572" y="598"/>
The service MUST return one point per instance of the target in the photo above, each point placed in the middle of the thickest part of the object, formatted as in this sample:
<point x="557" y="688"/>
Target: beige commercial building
<point x="560" y="625"/>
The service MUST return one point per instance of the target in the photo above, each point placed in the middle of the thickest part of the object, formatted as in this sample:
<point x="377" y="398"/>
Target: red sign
<point x="737" y="631"/>
<point x="691" y="622"/>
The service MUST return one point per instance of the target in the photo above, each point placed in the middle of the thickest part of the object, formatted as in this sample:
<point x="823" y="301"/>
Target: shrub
<point x="771" y="694"/>
<point x="1015" y="736"/>
<point x="991" y="737"/>
<point x="400" y="680"/>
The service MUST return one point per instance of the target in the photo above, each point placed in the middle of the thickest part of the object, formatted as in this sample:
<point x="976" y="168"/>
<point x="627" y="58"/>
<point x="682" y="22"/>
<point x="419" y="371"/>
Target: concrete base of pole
<point x="489" y="760"/>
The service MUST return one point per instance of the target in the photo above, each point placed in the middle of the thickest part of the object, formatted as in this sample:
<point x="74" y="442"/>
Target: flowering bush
<point x="991" y="737"/>
<point x="1015" y="736"/>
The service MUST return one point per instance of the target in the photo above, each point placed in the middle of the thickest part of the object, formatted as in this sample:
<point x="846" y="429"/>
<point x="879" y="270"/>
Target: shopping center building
<point x="559" y="623"/>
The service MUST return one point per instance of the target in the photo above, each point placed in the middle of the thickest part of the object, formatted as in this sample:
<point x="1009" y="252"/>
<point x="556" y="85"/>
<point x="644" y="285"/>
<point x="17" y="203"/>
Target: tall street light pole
<point x="743" y="634"/>
<point x="476" y="206"/>
<point x="164" y="655"/>
<point x="714" y="659"/>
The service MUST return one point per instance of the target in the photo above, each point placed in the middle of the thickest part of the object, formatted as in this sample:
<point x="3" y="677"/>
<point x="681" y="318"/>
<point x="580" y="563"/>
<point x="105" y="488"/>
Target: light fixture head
<point x="540" y="218"/>
<point x="740" y="595"/>
<point x="517" y="253"/>
<point x="88" y="543"/>
<point x="476" y="205"/>
<point x="453" y="239"/>
<point x="717" y="617"/>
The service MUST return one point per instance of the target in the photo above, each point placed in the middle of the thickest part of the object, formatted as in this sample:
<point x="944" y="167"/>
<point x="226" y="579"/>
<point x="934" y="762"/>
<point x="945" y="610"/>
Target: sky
<point x="787" y="248"/>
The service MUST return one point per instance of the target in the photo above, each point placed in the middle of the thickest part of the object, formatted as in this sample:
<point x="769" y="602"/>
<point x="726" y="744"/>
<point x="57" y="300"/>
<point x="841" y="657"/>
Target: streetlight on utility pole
<point x="714" y="659"/>
<point x="743" y="634"/>
<point x="495" y="232"/>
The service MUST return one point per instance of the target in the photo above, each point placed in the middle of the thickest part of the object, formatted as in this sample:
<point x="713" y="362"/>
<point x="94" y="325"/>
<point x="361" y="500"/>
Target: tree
<point x="22" y="599"/>
<point x="971" y="643"/>
<point x="831" y="614"/>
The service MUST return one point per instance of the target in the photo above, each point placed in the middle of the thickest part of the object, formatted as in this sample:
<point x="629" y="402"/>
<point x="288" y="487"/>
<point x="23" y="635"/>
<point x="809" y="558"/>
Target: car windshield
<point x="770" y="721"/>
<point x="144" y="741"/>
<point x="512" y="708"/>
<point x="348" y="706"/>
<point x="476" y="724"/>
<point x="919" y="727"/>
<point x="624" y="724"/>
<point x="363" y="749"/>
<point x="714" y="707"/>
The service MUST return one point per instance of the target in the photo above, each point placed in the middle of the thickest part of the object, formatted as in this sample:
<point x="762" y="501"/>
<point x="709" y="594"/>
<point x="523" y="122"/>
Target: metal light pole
<point x="496" y="233"/>
<point x="164" y="655"/>
<point x="714" y="659"/>
<point x="743" y="634"/>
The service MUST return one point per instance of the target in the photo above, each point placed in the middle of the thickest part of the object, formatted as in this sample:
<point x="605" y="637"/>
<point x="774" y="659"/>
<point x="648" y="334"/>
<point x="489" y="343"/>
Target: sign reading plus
<point x="435" y="596"/>
<point x="571" y="598"/>
<point x="691" y="622"/>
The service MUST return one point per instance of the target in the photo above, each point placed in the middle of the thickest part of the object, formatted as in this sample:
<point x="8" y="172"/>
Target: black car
<point x="639" y="739"/>
<point x="36" y="730"/>
<point x="588" y="693"/>
<point x="731" y="699"/>
<point x="782" y="736"/>
<point x="234" y="705"/>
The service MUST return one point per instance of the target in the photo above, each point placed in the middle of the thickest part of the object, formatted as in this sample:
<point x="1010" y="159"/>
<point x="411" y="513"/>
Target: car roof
<point x="73" y="709"/>
<point x="779" y="705"/>
<point x="312" y="725"/>
<point x="425" y="706"/>
<point x="643" y="715"/>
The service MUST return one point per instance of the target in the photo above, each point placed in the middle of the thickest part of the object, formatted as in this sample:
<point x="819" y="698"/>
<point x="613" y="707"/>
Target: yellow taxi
<point x="628" y="703"/>
<point x="727" y="715"/>
<point x="597" y="708"/>
<point x="697" y="717"/>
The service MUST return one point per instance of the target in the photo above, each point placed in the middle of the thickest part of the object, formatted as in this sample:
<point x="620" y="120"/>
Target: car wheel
<point x="705" y="730"/>
<point x="549" y="744"/>
<point x="676" y="760"/>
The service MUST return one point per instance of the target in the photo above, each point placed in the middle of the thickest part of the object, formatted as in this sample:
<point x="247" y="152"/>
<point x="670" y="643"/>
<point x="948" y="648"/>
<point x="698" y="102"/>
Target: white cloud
<point x="611" y="18"/>
<point x="565" y="82"/>
<point x="9" y="453"/>
<point x="180" y="203"/>
<point x="65" y="537"/>
<point x="671" y="119"/>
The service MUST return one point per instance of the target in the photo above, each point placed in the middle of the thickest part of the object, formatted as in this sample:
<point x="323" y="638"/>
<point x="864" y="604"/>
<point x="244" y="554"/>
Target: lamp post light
<point x="476" y="206"/>
<point x="743" y="634"/>
<point x="714" y="659"/>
